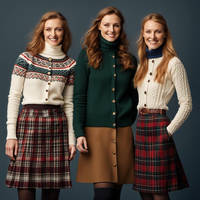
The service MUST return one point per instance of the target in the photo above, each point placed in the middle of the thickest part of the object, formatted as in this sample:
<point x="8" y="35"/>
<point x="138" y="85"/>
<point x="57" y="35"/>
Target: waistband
<point x="144" y="111"/>
<point x="41" y="106"/>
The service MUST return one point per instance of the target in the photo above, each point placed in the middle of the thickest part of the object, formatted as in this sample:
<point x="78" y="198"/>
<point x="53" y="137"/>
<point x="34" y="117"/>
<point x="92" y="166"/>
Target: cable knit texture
<point x="156" y="96"/>
<point x="43" y="79"/>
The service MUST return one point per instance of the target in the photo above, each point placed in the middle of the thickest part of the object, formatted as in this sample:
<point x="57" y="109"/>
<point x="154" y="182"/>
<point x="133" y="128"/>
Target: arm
<point x="80" y="94"/>
<point x="134" y="92"/>
<point x="14" y="97"/>
<point x="180" y="81"/>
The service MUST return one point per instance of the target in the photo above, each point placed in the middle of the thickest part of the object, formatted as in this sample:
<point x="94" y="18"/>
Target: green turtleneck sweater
<point x="103" y="97"/>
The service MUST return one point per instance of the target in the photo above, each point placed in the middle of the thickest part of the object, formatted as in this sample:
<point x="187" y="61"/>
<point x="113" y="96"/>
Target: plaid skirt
<point x="41" y="161"/>
<point x="157" y="165"/>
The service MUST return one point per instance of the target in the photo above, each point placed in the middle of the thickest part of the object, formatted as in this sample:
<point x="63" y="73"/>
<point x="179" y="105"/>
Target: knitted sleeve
<point x="80" y="94"/>
<point x="134" y="92"/>
<point x="68" y="105"/>
<point x="180" y="81"/>
<point x="15" y="93"/>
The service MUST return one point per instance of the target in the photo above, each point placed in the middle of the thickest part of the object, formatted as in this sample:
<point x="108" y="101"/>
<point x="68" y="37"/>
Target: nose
<point x="111" y="28"/>
<point x="53" y="33"/>
<point x="152" y="35"/>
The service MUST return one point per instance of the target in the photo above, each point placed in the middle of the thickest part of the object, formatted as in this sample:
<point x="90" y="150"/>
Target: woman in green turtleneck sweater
<point x="105" y="106"/>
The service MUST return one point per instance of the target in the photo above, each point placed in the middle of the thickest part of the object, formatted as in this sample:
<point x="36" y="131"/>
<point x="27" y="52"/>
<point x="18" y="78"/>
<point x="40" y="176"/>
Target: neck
<point x="53" y="51"/>
<point x="154" y="53"/>
<point x="107" y="45"/>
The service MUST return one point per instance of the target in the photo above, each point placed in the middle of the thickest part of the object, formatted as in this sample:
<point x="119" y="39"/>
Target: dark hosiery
<point x="107" y="191"/>
<point x="50" y="194"/>
<point x="161" y="196"/>
<point x="26" y="194"/>
<point x="146" y="196"/>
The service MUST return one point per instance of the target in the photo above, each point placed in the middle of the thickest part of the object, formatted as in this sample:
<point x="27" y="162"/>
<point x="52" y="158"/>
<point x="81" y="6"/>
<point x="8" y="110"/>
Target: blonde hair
<point x="37" y="43"/>
<point x="91" y="41"/>
<point x="168" y="51"/>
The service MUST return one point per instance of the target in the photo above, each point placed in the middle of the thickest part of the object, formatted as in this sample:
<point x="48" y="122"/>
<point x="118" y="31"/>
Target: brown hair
<point x="91" y="41"/>
<point x="168" y="51"/>
<point x="37" y="43"/>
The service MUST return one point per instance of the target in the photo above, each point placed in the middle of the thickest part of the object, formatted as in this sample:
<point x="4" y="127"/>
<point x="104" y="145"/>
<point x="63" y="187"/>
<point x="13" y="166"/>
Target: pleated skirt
<point x="41" y="161"/>
<point x="110" y="156"/>
<point x="157" y="164"/>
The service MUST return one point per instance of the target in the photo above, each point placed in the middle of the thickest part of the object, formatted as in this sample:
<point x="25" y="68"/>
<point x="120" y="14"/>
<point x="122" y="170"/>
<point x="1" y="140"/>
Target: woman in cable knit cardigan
<point x="158" y="169"/>
<point x="40" y="140"/>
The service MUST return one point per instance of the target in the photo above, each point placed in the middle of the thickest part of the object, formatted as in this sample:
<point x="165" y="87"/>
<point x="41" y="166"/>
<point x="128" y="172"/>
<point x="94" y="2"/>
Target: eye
<point x="117" y="25"/>
<point x="106" y="25"/>
<point x="59" y="29"/>
<point x="47" y="29"/>
<point x="148" y="31"/>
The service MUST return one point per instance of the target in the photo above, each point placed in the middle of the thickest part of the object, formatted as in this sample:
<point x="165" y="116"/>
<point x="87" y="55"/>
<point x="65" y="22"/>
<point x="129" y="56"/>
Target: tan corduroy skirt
<point x="110" y="156"/>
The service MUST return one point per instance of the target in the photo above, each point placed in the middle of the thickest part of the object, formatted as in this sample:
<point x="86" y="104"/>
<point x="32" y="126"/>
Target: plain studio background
<point x="18" y="18"/>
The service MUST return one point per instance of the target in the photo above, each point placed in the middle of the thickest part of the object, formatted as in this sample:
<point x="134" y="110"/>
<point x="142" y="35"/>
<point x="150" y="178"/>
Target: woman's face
<point x="110" y="27"/>
<point x="153" y="34"/>
<point x="53" y="31"/>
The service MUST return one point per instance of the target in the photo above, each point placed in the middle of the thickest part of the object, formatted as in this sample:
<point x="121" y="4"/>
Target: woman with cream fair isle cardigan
<point x="40" y="141"/>
<point x="105" y="106"/>
<point x="158" y="169"/>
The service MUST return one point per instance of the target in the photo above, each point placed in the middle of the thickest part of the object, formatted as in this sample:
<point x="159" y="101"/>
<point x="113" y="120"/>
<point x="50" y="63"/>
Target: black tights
<point x="29" y="194"/>
<point x="154" y="196"/>
<point x="107" y="191"/>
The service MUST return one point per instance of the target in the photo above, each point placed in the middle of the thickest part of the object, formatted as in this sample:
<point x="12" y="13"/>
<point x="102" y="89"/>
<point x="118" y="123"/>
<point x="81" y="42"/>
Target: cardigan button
<point x="150" y="73"/>
<point x="145" y="92"/>
<point x="114" y="124"/>
<point x="114" y="65"/>
<point x="152" y="61"/>
<point x="114" y="165"/>
<point x="50" y="59"/>
<point x="48" y="73"/>
<point x="145" y="105"/>
<point x="114" y="74"/>
<point x="114" y="113"/>
<point x="49" y="83"/>
<point x="113" y="89"/>
<point x="148" y="81"/>
<point x="46" y="99"/>
<point x="47" y="90"/>
<point x="113" y="100"/>
<point x="113" y="56"/>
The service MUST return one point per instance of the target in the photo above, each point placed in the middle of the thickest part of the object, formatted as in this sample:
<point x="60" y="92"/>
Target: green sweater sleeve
<point x="80" y="93"/>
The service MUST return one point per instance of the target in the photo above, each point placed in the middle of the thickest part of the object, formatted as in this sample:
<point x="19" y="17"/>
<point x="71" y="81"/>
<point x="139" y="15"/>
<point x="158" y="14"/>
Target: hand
<point x="11" y="148"/>
<point x="72" y="151"/>
<point x="82" y="144"/>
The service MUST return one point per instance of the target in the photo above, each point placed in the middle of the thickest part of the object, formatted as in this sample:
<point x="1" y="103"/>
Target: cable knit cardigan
<point x="156" y="96"/>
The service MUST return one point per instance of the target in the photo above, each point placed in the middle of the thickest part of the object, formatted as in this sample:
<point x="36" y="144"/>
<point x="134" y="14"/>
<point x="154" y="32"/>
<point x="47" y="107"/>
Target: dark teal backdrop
<point x="17" y="19"/>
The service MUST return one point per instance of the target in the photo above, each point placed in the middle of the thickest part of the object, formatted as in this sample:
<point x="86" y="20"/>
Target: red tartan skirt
<point x="157" y="165"/>
<point x="43" y="147"/>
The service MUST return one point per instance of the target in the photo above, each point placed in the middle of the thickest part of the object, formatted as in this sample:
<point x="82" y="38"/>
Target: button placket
<point x="149" y="78"/>
<point x="49" y="73"/>
<point x="113" y="90"/>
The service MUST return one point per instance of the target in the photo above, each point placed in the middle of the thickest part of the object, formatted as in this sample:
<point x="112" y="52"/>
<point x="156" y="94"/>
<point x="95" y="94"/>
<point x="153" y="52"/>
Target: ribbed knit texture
<point x="103" y="97"/>
<point x="156" y="96"/>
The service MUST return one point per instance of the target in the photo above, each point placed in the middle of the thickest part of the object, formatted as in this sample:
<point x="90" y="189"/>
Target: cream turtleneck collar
<point x="54" y="52"/>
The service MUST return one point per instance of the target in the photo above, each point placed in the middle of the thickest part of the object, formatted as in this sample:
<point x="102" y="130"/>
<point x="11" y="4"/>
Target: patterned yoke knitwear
<point x="43" y="127"/>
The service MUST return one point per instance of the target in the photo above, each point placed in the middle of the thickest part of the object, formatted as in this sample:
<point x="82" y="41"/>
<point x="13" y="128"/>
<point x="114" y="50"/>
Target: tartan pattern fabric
<point x="41" y="161"/>
<point x="157" y="164"/>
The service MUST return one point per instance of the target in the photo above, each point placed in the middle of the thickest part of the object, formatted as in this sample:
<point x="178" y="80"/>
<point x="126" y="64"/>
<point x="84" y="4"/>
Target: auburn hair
<point x="168" y="51"/>
<point x="37" y="43"/>
<point x="91" y="41"/>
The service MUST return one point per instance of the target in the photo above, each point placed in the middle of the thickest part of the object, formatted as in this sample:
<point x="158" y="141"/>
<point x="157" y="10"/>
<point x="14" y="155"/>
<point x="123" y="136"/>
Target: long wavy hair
<point x="168" y="51"/>
<point x="91" y="41"/>
<point x="37" y="43"/>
